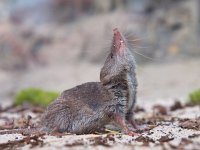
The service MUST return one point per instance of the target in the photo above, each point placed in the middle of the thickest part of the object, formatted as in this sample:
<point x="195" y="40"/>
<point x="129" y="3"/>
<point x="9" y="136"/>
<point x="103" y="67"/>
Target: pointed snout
<point x="118" y="41"/>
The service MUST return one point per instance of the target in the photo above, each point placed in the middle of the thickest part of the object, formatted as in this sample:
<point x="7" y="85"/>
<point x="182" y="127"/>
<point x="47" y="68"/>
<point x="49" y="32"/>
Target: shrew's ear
<point x="105" y="80"/>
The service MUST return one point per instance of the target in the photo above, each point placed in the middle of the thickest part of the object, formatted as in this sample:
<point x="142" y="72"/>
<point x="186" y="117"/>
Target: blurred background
<point x="57" y="44"/>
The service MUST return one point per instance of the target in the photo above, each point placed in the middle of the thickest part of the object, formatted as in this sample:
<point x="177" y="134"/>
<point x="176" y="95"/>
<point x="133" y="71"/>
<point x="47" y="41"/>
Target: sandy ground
<point x="176" y="135"/>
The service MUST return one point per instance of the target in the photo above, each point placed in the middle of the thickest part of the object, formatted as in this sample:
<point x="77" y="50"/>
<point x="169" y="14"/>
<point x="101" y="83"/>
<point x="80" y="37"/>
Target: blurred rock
<point x="19" y="50"/>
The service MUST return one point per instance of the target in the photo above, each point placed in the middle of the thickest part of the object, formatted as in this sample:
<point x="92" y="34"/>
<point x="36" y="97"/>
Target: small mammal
<point x="88" y="107"/>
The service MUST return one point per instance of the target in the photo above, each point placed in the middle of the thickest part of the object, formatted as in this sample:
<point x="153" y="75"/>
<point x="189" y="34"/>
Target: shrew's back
<point x="77" y="110"/>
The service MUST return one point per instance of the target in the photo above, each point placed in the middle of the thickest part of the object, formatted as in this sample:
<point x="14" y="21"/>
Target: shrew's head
<point x="120" y="60"/>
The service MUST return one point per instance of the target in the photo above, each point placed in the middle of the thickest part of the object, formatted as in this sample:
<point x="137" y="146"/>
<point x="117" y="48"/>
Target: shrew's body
<point x="90" y="106"/>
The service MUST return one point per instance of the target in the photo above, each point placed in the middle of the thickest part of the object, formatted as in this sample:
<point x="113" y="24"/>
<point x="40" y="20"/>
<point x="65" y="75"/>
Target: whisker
<point x="144" y="55"/>
<point x="135" y="46"/>
<point x="128" y="36"/>
<point x="128" y="33"/>
<point x="134" y="40"/>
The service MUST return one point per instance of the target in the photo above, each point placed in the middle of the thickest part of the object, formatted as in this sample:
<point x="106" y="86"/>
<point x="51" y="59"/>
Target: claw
<point x="131" y="133"/>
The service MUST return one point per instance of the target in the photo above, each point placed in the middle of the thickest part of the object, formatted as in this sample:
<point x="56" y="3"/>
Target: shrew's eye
<point x="111" y="55"/>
